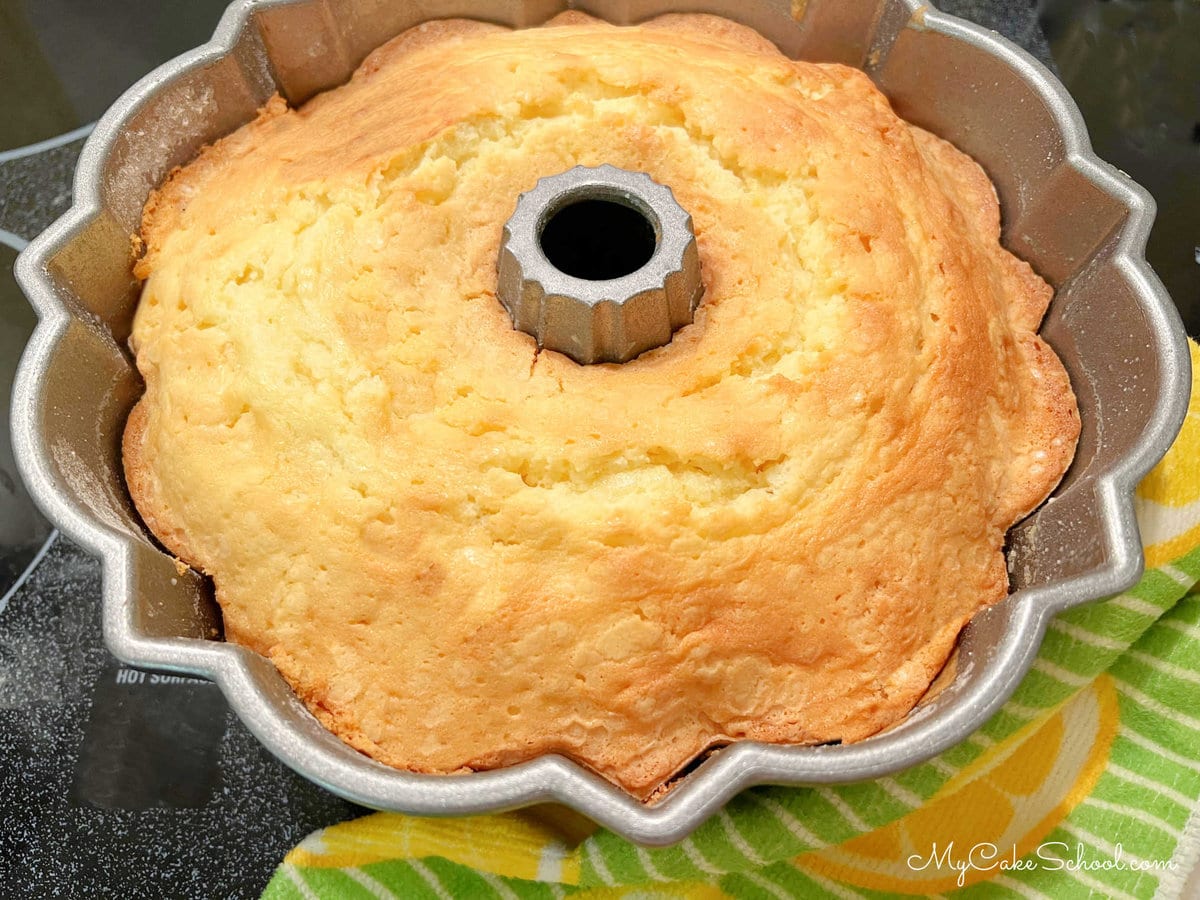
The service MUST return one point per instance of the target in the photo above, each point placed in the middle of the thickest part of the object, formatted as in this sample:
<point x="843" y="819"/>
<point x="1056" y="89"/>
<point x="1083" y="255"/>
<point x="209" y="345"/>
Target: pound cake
<point x="462" y="552"/>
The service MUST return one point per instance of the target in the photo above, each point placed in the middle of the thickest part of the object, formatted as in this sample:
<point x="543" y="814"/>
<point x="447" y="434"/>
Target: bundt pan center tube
<point x="600" y="264"/>
<point x="1081" y="224"/>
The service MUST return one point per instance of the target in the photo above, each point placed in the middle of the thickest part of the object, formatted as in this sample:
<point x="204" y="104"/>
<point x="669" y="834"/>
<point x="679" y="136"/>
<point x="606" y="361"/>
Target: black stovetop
<point x="115" y="782"/>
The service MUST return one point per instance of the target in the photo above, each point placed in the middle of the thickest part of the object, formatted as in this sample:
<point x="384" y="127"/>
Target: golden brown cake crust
<point x="463" y="553"/>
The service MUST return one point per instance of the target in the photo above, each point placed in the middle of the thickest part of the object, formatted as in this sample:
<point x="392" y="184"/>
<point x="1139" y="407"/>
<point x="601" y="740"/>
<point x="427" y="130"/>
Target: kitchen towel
<point x="1086" y="783"/>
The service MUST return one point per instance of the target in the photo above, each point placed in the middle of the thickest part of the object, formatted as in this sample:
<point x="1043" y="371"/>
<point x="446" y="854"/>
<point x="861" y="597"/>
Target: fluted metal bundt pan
<point x="1082" y="224"/>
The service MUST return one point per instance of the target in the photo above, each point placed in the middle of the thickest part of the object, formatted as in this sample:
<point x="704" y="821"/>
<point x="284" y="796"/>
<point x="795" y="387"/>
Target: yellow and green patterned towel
<point x="1085" y="784"/>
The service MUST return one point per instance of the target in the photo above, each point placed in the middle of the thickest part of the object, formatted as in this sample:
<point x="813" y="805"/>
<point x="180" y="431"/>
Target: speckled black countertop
<point x="120" y="783"/>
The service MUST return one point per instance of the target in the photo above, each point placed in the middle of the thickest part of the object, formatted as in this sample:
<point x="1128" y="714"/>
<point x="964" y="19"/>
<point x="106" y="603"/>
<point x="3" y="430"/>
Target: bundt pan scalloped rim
<point x="1081" y="223"/>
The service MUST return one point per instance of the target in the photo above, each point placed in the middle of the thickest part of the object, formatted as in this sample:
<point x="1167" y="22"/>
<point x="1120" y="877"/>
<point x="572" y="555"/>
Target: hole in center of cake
<point x="598" y="239"/>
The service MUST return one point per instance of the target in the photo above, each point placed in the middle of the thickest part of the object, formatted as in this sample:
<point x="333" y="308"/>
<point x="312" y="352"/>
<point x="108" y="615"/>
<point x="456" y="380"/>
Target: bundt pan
<point x="1079" y="222"/>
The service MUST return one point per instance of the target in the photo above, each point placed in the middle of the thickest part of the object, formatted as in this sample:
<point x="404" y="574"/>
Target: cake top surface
<point x="463" y="552"/>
